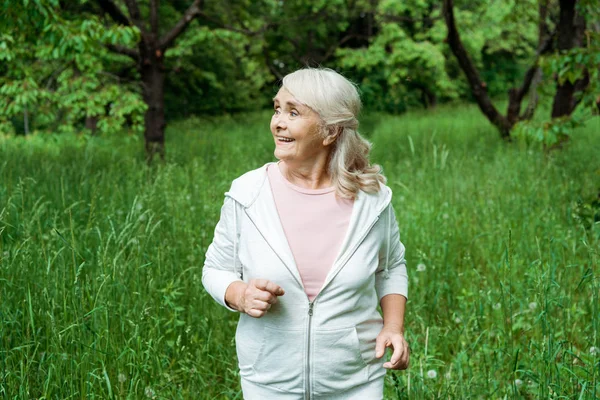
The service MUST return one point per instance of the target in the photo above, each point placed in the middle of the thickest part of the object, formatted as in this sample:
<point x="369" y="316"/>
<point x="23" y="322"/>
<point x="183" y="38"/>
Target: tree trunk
<point x="91" y="123"/>
<point x="478" y="87"/>
<point x="149" y="60"/>
<point x="153" y="78"/>
<point x="25" y="120"/>
<point x="570" y="31"/>
<point x="428" y="98"/>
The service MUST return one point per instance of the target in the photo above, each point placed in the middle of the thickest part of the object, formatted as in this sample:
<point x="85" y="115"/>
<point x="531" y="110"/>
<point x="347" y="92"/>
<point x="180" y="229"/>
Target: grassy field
<point x="101" y="258"/>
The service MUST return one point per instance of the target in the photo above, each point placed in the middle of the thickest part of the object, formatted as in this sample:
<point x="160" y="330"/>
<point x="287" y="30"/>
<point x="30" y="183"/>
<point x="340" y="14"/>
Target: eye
<point x="294" y="113"/>
<point x="277" y="110"/>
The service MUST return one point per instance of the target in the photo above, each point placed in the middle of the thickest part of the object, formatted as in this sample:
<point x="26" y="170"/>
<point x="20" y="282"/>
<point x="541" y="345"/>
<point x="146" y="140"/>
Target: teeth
<point x="286" y="139"/>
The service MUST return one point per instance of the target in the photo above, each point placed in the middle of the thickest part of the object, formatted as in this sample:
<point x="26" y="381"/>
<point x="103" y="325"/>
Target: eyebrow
<point x="290" y="103"/>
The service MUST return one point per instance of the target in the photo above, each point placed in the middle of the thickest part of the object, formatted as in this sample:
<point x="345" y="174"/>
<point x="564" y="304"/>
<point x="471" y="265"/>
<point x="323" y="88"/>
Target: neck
<point x="313" y="175"/>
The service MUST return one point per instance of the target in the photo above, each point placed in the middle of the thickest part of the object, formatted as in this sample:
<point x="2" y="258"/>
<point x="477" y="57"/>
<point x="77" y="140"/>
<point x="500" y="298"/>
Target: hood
<point x="247" y="188"/>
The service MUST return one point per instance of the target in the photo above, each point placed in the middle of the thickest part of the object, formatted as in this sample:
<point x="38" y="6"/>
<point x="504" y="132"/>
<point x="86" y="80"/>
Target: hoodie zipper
<point x="310" y="314"/>
<point x="311" y="305"/>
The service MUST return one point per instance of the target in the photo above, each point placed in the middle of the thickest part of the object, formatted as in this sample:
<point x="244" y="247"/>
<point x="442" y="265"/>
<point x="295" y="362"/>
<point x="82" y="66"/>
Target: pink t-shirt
<point x="315" y="223"/>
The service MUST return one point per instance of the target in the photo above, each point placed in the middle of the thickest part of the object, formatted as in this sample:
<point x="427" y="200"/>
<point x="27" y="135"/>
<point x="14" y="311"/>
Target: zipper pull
<point x="310" y="309"/>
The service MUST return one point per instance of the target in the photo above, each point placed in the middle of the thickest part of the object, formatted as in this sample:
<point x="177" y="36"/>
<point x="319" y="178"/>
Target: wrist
<point x="234" y="295"/>
<point x="394" y="326"/>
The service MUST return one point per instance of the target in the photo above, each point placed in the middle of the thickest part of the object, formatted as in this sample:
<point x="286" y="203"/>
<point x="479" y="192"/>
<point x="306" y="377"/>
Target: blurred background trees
<point x="102" y="66"/>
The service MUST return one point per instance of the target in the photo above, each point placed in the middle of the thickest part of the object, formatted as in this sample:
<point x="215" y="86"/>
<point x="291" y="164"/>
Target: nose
<point x="279" y="121"/>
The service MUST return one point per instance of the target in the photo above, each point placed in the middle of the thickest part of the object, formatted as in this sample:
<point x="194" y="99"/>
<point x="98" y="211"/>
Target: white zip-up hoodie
<point x="301" y="349"/>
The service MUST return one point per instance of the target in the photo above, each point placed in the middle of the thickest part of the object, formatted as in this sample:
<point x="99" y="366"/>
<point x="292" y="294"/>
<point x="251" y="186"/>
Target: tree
<point x="403" y="64"/>
<point x="107" y="63"/>
<point x="561" y="53"/>
<point x="149" y="60"/>
<point x="56" y="72"/>
<point x="504" y="123"/>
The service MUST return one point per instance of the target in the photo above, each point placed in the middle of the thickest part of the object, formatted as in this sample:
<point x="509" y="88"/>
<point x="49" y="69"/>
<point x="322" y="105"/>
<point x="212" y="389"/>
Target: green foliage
<point x="214" y="71"/>
<point x="58" y="71"/>
<point x="101" y="289"/>
<point x="576" y="64"/>
<point x="408" y="64"/>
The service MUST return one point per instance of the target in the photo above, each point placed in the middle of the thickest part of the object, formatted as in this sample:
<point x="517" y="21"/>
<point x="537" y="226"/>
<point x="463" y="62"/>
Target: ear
<point x="332" y="135"/>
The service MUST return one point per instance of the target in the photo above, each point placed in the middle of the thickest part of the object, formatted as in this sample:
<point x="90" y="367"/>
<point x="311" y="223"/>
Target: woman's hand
<point x="392" y="336"/>
<point x="254" y="298"/>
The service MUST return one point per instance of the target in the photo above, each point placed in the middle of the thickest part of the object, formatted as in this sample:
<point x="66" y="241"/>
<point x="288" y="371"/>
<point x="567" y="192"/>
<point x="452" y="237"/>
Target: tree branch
<point x="154" y="17"/>
<point x="337" y="45"/>
<point x="533" y="97"/>
<point x="134" y="54"/>
<point x="192" y="12"/>
<point x="115" y="12"/>
<point x="244" y="31"/>
<point x="533" y="76"/>
<point x="516" y="95"/>
<point x="134" y="12"/>
<point x="269" y="62"/>
<point x="475" y="82"/>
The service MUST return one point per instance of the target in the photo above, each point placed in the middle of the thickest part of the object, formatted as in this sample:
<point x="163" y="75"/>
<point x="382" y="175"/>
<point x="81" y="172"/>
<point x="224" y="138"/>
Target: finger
<point x="403" y="362"/>
<point x="398" y="347"/>
<point x="274" y="288"/>
<point x="262" y="295"/>
<point x="259" y="283"/>
<point x="265" y="284"/>
<point x="380" y="345"/>
<point x="261" y="305"/>
<point x="255" y="313"/>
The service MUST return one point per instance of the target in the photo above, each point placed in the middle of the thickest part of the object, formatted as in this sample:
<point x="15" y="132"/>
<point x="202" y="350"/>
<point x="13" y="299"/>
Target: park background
<point x="122" y="124"/>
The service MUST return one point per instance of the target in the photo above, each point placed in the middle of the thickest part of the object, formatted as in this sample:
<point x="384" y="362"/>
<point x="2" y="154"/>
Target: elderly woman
<point x="306" y="249"/>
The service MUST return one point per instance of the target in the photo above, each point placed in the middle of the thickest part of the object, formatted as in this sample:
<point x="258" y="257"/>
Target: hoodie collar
<point x="253" y="191"/>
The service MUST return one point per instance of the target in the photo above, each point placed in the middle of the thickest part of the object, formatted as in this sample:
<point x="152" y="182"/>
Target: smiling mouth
<point x="284" y="139"/>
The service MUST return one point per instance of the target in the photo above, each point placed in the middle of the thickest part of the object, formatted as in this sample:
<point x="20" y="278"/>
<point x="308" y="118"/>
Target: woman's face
<point x="295" y="128"/>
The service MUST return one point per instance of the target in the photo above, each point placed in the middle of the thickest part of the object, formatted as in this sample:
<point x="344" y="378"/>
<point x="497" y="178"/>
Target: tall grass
<point x="101" y="257"/>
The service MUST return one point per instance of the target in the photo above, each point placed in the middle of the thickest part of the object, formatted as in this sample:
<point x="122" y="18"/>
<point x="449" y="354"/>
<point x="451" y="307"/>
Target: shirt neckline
<point x="297" y="188"/>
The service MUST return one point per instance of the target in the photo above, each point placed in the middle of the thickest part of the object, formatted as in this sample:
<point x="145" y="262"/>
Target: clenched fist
<point x="254" y="298"/>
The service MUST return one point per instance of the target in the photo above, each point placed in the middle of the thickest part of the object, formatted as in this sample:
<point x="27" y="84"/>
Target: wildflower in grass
<point x="448" y="375"/>
<point x="142" y="217"/>
<point x="139" y="206"/>
<point x="431" y="374"/>
<point x="594" y="350"/>
<point x="149" y="392"/>
<point x="532" y="305"/>
<point x="457" y="320"/>
<point x="496" y="306"/>
<point x="518" y="382"/>
<point x="421" y="267"/>
<point x="121" y="378"/>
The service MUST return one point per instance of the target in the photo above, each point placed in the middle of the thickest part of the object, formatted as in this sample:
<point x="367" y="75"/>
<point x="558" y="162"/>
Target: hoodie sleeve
<point x="219" y="269"/>
<point x="391" y="276"/>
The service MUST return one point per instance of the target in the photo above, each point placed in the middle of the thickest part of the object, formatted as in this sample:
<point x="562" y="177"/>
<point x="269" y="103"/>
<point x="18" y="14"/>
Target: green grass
<point x="101" y="259"/>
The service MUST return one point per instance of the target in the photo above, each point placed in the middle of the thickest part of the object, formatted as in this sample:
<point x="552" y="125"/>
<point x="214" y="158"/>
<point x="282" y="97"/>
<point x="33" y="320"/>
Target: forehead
<point x="285" y="97"/>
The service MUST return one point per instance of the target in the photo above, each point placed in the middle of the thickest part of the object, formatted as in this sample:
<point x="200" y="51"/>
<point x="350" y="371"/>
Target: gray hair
<point x="337" y="102"/>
